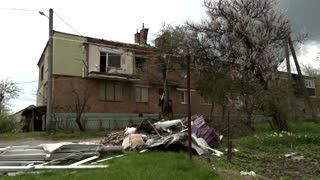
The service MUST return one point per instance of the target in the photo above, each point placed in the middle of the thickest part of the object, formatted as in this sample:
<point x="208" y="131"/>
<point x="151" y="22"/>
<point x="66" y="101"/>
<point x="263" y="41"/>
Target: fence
<point x="101" y="121"/>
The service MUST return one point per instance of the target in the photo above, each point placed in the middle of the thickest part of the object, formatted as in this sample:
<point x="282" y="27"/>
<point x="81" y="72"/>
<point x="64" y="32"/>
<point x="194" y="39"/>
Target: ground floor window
<point x="141" y="94"/>
<point x="184" y="97"/>
<point x="110" y="91"/>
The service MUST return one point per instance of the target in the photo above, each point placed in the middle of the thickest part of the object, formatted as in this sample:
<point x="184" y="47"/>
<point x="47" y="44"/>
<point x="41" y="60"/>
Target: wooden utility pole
<point x="189" y="108"/>
<point x="301" y="79"/>
<point x="50" y="59"/>
<point x="289" y="80"/>
<point x="1" y="99"/>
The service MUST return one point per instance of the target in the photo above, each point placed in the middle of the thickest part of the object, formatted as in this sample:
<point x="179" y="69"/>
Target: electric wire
<point x="19" y="9"/>
<point x="66" y="23"/>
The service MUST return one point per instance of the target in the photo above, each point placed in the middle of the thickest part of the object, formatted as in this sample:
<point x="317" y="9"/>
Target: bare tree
<point x="80" y="96"/>
<point x="8" y="90"/>
<point x="310" y="70"/>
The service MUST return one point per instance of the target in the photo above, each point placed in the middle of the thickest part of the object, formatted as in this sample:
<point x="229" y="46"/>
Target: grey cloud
<point x="304" y="16"/>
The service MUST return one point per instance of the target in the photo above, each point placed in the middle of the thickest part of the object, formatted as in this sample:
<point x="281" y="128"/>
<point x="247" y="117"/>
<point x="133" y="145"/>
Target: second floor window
<point x="114" y="60"/>
<point x="109" y="60"/>
<point x="309" y="83"/>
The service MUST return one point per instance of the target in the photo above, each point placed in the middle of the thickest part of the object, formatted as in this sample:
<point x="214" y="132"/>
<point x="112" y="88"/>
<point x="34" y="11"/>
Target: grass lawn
<point x="264" y="153"/>
<point x="148" y="165"/>
<point x="53" y="135"/>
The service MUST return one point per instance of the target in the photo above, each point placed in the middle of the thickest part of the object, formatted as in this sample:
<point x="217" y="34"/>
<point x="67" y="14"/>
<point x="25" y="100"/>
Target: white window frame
<point x="185" y="94"/>
<point x="185" y="97"/>
<point x="309" y="83"/>
<point x="107" y="59"/>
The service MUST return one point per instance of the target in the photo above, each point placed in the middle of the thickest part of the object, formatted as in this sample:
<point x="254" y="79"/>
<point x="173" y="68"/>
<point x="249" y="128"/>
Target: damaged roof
<point x="137" y="48"/>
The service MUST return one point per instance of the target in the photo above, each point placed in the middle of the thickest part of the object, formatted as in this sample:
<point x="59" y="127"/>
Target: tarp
<point x="201" y="129"/>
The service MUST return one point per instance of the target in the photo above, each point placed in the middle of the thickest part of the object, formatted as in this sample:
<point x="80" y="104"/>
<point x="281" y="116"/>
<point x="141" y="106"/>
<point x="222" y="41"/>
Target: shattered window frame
<point x="114" y="60"/>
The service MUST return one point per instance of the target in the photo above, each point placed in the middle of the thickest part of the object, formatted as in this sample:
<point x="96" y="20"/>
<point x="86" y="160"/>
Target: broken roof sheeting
<point x="16" y="158"/>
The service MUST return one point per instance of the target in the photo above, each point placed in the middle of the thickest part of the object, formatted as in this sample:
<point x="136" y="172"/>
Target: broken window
<point x="41" y="73"/>
<point x="141" y="94"/>
<point x="114" y="60"/>
<point x="110" y="91"/>
<point x="140" y="61"/>
<point x="103" y="61"/>
<point x="184" y="97"/>
<point x="110" y="59"/>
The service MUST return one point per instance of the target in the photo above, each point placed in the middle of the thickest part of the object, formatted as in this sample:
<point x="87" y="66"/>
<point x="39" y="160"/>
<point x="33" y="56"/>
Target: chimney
<point x="143" y="35"/>
<point x="137" y="37"/>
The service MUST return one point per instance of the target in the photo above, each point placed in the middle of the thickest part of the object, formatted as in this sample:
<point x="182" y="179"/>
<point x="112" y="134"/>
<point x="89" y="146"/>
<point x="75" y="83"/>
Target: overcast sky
<point x="23" y="34"/>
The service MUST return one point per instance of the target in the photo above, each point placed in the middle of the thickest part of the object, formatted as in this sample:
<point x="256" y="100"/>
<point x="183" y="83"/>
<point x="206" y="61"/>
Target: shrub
<point x="8" y="125"/>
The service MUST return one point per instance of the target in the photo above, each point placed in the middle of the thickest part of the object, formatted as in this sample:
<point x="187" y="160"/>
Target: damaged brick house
<point x="300" y="109"/>
<point x="121" y="81"/>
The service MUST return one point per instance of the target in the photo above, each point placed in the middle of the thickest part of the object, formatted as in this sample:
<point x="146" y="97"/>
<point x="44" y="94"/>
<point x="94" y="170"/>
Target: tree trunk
<point x="78" y="121"/>
<point x="249" y="121"/>
<point x="211" y="111"/>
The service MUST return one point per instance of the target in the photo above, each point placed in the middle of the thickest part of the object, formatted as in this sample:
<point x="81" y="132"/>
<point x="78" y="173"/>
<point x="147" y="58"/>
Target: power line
<point x="19" y="9"/>
<point x="27" y="82"/>
<point x="67" y="23"/>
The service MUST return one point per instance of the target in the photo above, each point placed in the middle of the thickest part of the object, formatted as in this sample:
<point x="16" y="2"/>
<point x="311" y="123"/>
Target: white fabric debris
<point x="166" y="124"/>
<point x="245" y="173"/>
<point x="130" y="130"/>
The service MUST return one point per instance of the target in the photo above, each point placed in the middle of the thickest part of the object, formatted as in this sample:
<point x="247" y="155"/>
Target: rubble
<point x="165" y="125"/>
<point x="114" y="138"/>
<point x="163" y="134"/>
<point x="148" y="135"/>
<point x="133" y="141"/>
<point x="130" y="130"/>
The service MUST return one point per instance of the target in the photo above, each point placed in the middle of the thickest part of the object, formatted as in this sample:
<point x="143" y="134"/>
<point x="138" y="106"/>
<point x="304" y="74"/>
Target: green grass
<point x="263" y="152"/>
<point x="149" y="165"/>
<point x="53" y="135"/>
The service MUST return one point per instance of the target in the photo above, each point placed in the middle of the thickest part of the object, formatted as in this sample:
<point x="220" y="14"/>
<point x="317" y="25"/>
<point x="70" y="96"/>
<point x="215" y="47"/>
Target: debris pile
<point x="164" y="134"/>
<point x="145" y="136"/>
<point x="46" y="157"/>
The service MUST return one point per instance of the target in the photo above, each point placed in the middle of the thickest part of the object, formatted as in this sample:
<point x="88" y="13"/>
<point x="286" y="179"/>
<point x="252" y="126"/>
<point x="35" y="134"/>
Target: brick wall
<point x="64" y="100"/>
